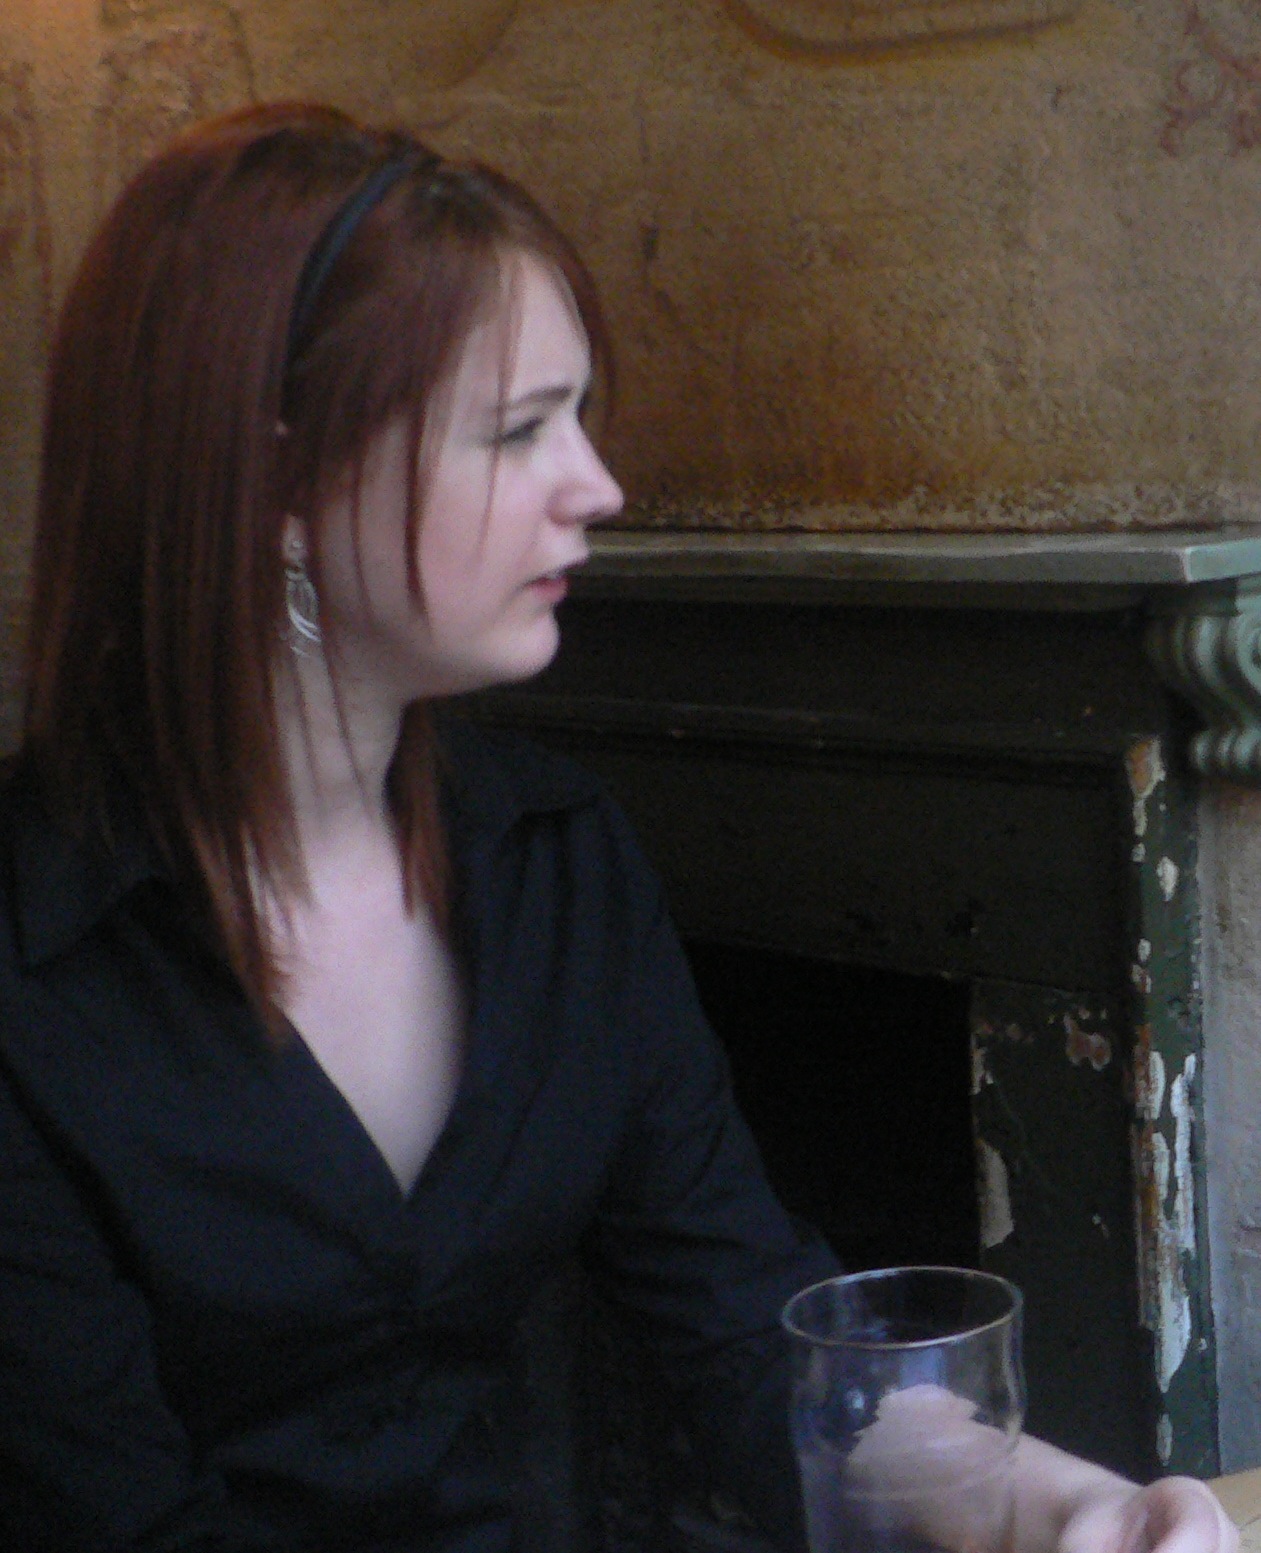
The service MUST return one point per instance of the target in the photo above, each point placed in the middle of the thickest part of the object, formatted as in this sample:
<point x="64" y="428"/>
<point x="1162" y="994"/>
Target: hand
<point x="1172" y="1515"/>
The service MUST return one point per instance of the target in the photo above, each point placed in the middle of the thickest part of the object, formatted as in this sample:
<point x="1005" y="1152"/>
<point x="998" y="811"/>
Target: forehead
<point x="530" y="337"/>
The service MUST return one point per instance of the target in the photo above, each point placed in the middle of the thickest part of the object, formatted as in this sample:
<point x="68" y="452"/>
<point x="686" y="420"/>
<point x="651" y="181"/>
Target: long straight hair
<point x="158" y="589"/>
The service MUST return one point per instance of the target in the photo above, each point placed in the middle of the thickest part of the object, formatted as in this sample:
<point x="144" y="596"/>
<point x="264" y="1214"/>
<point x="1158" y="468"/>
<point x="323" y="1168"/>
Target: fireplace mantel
<point x="1200" y="591"/>
<point x="1036" y="570"/>
<point x="963" y="756"/>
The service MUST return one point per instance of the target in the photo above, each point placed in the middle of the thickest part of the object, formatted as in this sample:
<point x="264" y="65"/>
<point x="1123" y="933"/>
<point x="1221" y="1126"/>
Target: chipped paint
<point x="1149" y="1080"/>
<point x="1164" y="1206"/>
<point x="1139" y="852"/>
<point x="1085" y="1045"/>
<point x="1141" y="979"/>
<point x="1144" y="950"/>
<point x="1164" y="1439"/>
<point x="1183" y="1208"/>
<point x="1146" y="771"/>
<point x="1167" y="874"/>
<point x="994" y="1193"/>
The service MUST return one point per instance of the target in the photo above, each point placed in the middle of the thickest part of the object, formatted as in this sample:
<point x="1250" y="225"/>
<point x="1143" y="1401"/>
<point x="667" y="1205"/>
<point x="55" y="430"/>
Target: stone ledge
<point x="1163" y="558"/>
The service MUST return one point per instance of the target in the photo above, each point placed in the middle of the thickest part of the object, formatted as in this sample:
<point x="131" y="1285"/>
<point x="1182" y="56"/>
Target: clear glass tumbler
<point x="907" y="1403"/>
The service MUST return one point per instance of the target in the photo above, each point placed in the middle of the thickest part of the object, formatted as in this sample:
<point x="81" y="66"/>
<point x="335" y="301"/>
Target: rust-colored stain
<point x="1085" y="1045"/>
<point x="1145" y="768"/>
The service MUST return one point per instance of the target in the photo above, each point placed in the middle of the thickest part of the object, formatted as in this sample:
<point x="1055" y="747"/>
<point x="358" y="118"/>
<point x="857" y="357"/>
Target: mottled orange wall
<point x="1009" y="280"/>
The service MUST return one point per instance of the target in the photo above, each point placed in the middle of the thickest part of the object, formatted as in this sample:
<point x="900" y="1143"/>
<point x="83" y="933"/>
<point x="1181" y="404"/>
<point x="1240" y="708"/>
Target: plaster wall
<point x="1230" y="885"/>
<point x="1008" y="280"/>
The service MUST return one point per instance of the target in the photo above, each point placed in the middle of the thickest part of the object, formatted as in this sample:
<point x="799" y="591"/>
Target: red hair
<point x="158" y="585"/>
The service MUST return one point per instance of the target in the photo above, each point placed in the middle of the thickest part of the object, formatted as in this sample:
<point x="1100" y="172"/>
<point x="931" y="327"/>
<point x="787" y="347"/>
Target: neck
<point x="337" y="750"/>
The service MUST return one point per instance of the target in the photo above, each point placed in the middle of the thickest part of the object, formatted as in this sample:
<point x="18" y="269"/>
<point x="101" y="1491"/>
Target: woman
<point x="327" y="1035"/>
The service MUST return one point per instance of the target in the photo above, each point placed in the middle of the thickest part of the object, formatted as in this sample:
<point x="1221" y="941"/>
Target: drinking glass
<point x="907" y="1403"/>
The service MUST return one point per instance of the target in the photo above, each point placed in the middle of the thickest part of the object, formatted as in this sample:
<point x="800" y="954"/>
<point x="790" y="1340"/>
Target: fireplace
<point x="926" y="816"/>
<point x="842" y="1073"/>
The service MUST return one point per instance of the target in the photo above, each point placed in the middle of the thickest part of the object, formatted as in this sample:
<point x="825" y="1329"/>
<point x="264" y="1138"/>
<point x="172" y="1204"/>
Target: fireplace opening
<point x="856" y="1083"/>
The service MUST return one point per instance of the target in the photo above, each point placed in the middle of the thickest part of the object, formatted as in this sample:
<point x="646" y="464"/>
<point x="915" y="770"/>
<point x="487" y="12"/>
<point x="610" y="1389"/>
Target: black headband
<point x="332" y="241"/>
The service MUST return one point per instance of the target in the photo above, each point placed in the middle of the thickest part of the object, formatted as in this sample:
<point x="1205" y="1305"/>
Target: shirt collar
<point x="494" y="778"/>
<point x="65" y="884"/>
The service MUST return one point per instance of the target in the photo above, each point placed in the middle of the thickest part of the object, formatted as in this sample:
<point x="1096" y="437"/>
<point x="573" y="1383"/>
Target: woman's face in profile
<point x="513" y="484"/>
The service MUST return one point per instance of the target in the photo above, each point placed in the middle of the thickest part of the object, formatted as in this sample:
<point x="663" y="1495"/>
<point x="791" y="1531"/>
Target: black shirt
<point x="223" y="1325"/>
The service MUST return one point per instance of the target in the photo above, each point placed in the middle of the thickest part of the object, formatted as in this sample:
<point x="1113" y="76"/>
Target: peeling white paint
<point x="994" y="1191"/>
<point x="1165" y="1209"/>
<point x="1138" y="853"/>
<point x="1146" y="770"/>
<point x="1144" y="950"/>
<point x="1149" y="1085"/>
<point x="1183" y="1207"/>
<point x="1139" y="976"/>
<point x="1164" y="1439"/>
<point x="1167" y="874"/>
<point x="1166" y="1303"/>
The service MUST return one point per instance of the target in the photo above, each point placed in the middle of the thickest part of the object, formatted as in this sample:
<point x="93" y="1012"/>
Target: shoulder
<point x="497" y="777"/>
<point x="509" y="797"/>
<point x="56" y="883"/>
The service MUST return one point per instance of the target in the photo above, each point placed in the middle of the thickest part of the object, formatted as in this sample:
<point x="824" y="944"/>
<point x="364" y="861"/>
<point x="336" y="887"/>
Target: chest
<point x="374" y="991"/>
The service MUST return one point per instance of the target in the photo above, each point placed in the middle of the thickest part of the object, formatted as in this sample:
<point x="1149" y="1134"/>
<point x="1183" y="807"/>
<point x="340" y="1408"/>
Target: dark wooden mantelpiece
<point x="1201" y="591"/>
<point x="975" y="757"/>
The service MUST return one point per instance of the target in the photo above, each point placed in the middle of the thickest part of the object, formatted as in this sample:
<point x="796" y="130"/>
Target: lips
<point x="559" y="574"/>
<point x="552" y="586"/>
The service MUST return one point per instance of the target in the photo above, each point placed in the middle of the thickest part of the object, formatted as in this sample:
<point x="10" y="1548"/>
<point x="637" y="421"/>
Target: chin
<point x="518" y="662"/>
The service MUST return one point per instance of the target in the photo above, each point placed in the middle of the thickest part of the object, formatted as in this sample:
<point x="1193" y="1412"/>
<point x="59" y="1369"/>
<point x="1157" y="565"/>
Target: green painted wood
<point x="956" y="792"/>
<point x="1051" y="1104"/>
<point x="1170" y="1188"/>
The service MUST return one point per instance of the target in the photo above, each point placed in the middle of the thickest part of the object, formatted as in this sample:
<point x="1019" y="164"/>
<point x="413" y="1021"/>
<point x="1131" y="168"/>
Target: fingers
<point x="1184" y="1516"/>
<point x="1173" y="1515"/>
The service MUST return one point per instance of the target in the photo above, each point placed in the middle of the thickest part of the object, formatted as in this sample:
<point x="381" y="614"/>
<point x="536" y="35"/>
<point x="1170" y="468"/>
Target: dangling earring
<point x="302" y="604"/>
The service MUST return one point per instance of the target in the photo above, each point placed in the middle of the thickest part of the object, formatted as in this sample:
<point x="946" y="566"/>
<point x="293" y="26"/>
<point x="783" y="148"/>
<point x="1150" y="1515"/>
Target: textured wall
<point x="1230" y="880"/>
<point x="1010" y="280"/>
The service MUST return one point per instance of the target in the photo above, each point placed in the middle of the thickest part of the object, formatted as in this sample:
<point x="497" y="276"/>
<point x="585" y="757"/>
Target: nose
<point x="591" y="493"/>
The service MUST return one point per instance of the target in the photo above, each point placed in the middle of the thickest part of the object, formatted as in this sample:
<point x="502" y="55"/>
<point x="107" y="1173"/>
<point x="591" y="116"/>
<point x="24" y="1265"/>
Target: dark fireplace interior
<point x="855" y="1082"/>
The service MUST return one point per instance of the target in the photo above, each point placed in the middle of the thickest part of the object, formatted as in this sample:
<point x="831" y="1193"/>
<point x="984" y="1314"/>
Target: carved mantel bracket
<point x="1208" y="649"/>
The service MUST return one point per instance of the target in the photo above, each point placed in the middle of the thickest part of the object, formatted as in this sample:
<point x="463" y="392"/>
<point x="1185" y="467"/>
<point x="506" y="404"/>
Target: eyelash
<point x="525" y="433"/>
<point x="520" y="436"/>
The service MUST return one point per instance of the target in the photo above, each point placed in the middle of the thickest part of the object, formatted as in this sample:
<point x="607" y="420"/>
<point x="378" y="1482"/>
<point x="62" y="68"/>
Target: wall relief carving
<point x="165" y="66"/>
<point x="838" y="25"/>
<point x="1218" y="78"/>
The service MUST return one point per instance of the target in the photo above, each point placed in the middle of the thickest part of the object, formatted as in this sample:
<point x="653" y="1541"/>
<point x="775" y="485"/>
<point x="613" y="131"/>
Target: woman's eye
<point x="520" y="435"/>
